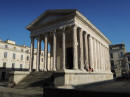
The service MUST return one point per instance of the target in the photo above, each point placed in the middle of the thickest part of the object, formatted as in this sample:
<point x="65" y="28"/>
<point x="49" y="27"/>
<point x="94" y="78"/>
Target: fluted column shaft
<point x="94" y="55"/>
<point x="38" y="54"/>
<point x="46" y="53"/>
<point x="109" y="59"/>
<point x="81" y="57"/>
<point x="90" y="51"/>
<point x="54" y="51"/>
<point x="104" y="58"/>
<point x="75" y="49"/>
<point x="86" y="50"/>
<point x="31" y="54"/>
<point x="51" y="56"/>
<point x="63" y="49"/>
<point x="100" y="56"/>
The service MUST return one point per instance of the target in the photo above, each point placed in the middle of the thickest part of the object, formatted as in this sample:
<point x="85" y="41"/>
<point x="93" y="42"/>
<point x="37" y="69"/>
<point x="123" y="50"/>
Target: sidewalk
<point x="12" y="92"/>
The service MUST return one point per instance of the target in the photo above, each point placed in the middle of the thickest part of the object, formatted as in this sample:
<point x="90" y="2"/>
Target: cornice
<point x="72" y="13"/>
<point x="88" y="23"/>
<point x="64" y="18"/>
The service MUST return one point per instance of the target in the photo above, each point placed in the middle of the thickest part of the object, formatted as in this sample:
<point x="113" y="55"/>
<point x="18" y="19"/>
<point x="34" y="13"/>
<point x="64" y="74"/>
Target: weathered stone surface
<point x="72" y="46"/>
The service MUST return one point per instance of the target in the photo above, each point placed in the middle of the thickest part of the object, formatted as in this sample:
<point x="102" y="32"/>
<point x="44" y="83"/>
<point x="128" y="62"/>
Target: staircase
<point x="36" y="80"/>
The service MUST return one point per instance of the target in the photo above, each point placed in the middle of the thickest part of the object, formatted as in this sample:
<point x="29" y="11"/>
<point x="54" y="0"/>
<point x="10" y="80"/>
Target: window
<point x="128" y="58"/>
<point x="4" y="64"/>
<point x="111" y="55"/>
<point x="6" y="46"/>
<point x="14" y="48"/>
<point x="27" y="51"/>
<point x="14" y="56"/>
<point x="27" y="58"/>
<point x="13" y="65"/>
<point x="21" y="50"/>
<point x="21" y="57"/>
<point x="121" y="54"/>
<point x="21" y="66"/>
<point x="129" y="66"/>
<point x="5" y="54"/>
<point x="120" y="47"/>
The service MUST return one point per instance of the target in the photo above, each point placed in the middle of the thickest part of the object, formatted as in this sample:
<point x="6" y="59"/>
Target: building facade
<point x="127" y="62"/>
<point x="117" y="53"/>
<point x="15" y="57"/>
<point x="79" y="52"/>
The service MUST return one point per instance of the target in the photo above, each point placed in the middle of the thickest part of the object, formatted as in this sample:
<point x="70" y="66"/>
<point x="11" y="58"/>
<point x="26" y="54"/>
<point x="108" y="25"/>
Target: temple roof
<point x="56" y="14"/>
<point x="52" y="14"/>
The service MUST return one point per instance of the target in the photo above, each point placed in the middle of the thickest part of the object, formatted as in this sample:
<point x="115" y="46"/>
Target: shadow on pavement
<point x="109" y="88"/>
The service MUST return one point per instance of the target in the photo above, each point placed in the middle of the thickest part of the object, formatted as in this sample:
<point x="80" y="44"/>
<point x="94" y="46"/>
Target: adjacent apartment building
<point x="15" y="57"/>
<point x="117" y="52"/>
<point x="118" y="65"/>
<point x="127" y="62"/>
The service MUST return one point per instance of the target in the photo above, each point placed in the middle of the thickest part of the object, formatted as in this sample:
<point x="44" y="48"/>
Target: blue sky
<point x="112" y="17"/>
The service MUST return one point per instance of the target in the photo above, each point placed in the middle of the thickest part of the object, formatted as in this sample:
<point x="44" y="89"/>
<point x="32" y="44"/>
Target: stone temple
<point x="79" y="52"/>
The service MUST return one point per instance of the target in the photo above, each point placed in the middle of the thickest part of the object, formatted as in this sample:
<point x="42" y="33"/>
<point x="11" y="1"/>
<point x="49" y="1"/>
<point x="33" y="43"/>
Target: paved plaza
<point x="118" y="86"/>
<point x="12" y="92"/>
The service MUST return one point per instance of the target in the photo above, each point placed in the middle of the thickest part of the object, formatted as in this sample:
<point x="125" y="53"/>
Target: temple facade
<point x="79" y="52"/>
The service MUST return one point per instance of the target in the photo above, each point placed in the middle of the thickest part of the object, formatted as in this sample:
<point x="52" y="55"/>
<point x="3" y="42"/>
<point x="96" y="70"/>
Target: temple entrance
<point x="69" y="57"/>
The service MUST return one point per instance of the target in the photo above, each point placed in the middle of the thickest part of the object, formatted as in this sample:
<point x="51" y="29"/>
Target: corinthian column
<point x="54" y="51"/>
<point x="108" y="59"/>
<point x="97" y="63"/>
<point x="63" y="49"/>
<point x="100" y="56"/>
<point x="90" y="51"/>
<point x="94" y="54"/>
<point x="75" y="57"/>
<point x="46" y="53"/>
<point x="38" y="54"/>
<point x="31" y="54"/>
<point x="86" y="50"/>
<point x="81" y="57"/>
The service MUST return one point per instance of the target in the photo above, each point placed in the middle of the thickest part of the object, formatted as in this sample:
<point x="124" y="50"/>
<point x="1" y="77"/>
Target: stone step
<point x="36" y="79"/>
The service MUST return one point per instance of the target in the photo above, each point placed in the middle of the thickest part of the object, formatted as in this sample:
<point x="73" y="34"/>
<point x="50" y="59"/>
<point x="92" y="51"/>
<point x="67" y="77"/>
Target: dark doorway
<point x="3" y="76"/>
<point x="69" y="57"/>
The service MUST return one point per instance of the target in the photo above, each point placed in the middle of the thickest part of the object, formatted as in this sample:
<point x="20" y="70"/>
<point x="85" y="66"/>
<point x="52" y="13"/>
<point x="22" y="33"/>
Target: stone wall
<point x="71" y="78"/>
<point x="17" y="76"/>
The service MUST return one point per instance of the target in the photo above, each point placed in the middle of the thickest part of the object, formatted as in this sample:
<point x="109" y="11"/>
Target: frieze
<point x="51" y="28"/>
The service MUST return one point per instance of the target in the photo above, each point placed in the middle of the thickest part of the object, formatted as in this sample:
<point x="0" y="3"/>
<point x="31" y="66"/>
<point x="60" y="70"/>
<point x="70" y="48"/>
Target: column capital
<point x="80" y="29"/>
<point x="63" y="29"/>
<point x="38" y="38"/>
<point x="89" y="35"/>
<point x="32" y="37"/>
<point x="74" y="27"/>
<point x="85" y="32"/>
<point x="54" y="32"/>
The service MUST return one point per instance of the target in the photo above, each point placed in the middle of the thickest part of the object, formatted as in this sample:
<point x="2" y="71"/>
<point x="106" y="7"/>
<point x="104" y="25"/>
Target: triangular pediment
<point x="51" y="15"/>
